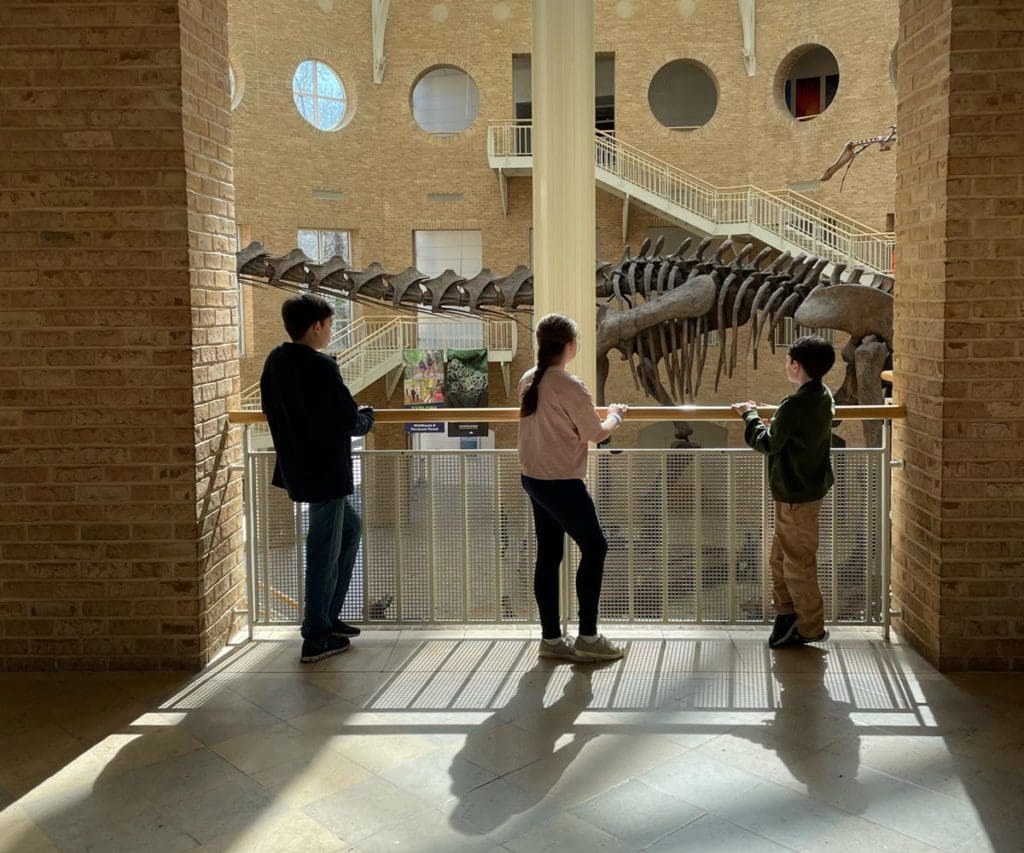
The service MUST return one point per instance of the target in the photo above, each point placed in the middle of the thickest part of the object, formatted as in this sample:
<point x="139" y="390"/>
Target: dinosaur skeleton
<point x="852" y="149"/>
<point x="659" y="312"/>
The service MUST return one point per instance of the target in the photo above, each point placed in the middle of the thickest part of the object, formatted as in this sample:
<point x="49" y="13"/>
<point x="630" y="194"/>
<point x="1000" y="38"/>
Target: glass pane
<point x="302" y="82"/>
<point x="231" y="82"/>
<point x="329" y="113"/>
<point x="336" y="243"/>
<point x="304" y="103"/>
<point x="327" y="83"/>
<point x="309" y="243"/>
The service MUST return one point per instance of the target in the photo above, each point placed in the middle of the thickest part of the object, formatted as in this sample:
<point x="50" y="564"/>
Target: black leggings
<point x="560" y="507"/>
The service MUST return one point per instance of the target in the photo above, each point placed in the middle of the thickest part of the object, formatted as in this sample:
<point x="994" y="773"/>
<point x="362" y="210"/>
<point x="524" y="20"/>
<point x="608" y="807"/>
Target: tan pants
<point x="795" y="567"/>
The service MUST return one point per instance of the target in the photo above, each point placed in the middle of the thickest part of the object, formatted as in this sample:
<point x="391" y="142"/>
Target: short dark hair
<point x="814" y="354"/>
<point x="301" y="312"/>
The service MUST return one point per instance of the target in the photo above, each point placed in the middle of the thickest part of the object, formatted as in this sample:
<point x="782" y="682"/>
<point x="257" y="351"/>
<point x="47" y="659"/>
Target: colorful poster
<point x="465" y="387"/>
<point x="424" y="385"/>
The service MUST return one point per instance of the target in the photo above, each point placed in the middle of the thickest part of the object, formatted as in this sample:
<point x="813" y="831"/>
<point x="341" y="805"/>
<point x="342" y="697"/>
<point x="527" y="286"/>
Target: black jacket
<point x="312" y="419"/>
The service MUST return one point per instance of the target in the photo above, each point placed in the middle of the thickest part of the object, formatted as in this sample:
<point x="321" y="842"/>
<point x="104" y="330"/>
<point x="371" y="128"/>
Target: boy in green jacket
<point x="797" y="443"/>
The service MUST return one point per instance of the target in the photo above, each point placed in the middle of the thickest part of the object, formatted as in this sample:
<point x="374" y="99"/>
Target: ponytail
<point x="554" y="333"/>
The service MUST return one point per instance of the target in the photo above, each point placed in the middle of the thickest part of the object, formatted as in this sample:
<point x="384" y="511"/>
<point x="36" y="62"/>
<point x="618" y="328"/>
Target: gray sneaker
<point x="600" y="649"/>
<point x="564" y="650"/>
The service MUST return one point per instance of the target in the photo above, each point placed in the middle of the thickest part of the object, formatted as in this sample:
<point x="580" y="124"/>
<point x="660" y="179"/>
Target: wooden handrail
<point x="636" y="413"/>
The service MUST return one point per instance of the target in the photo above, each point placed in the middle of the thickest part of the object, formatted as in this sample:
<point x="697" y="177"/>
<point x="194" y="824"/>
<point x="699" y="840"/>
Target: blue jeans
<point x="331" y="548"/>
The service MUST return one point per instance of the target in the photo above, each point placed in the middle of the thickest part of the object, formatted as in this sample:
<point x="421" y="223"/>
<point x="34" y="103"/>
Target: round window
<point x="807" y="81"/>
<point x="683" y="95"/>
<point x="236" y="86"/>
<point x="319" y="95"/>
<point x="445" y="100"/>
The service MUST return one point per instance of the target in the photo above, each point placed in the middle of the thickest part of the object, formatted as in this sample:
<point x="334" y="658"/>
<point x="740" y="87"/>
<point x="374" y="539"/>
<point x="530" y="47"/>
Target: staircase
<point x="370" y="348"/>
<point x="785" y="220"/>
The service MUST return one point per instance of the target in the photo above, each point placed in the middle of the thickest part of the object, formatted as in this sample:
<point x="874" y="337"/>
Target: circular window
<point x="807" y="81"/>
<point x="236" y="86"/>
<point x="683" y="95"/>
<point x="319" y="95"/>
<point x="445" y="100"/>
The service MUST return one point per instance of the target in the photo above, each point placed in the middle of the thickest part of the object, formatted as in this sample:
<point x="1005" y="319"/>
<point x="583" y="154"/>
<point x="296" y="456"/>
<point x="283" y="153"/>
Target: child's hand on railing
<point x="742" y="408"/>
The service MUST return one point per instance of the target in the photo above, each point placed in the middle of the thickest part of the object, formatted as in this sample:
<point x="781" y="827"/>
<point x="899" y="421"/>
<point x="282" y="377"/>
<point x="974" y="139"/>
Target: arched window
<point x="319" y="95"/>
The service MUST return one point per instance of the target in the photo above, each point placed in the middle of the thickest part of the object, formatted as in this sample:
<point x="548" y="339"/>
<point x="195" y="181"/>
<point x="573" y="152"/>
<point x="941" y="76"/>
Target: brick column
<point x="120" y="522"/>
<point x="959" y="503"/>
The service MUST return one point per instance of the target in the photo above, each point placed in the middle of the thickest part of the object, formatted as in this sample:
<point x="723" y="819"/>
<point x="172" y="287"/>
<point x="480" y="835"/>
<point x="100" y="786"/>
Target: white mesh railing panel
<point x="448" y="538"/>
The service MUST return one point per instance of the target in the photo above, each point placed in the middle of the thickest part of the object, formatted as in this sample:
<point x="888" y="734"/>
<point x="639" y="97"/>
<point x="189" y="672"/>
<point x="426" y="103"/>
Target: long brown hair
<point x="554" y="333"/>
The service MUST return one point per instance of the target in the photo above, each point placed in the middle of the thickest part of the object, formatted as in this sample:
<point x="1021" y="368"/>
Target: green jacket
<point x="797" y="443"/>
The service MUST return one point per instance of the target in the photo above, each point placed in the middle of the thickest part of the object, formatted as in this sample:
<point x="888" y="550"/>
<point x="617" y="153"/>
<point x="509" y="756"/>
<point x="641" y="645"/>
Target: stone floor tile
<point x="427" y="832"/>
<point x="261" y="750"/>
<point x="364" y="809"/>
<point x="637" y="814"/>
<point x="783" y="815"/>
<point x="290" y="831"/>
<point x="438" y="776"/>
<point x="283" y="695"/>
<point x="19" y="833"/>
<point x="700" y="780"/>
<point x="566" y="833"/>
<point x="500" y="809"/>
<point x="302" y="781"/>
<point x="227" y="810"/>
<point x="713" y="833"/>
<point x="586" y="767"/>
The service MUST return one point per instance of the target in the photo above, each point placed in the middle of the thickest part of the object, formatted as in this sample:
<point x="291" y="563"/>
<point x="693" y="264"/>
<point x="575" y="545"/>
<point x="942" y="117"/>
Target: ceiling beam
<point x="379" y="10"/>
<point x="747" y="21"/>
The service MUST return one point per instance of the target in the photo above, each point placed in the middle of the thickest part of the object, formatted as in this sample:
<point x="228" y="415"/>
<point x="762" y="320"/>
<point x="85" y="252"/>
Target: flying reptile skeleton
<point x="852" y="150"/>
<point x="671" y="317"/>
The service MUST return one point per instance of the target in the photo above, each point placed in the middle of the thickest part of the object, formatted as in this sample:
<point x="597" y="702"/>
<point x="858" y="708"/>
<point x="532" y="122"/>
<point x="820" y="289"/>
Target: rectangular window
<point x="462" y="253"/>
<point x="320" y="245"/>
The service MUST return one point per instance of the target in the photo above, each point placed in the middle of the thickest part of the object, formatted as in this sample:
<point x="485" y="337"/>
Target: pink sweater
<point x="553" y="441"/>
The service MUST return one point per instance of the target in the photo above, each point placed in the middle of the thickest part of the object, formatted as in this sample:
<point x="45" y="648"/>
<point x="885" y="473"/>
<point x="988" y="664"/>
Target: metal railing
<point x="448" y="535"/>
<point x="792" y="219"/>
<point x="369" y="347"/>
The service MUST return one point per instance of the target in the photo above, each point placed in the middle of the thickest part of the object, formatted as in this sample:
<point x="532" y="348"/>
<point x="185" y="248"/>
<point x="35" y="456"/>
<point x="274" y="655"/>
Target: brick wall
<point x="118" y="533"/>
<point x="206" y="123"/>
<point x="386" y="165"/>
<point x="958" y="535"/>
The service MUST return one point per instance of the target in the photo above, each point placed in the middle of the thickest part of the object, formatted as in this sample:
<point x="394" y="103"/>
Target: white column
<point x="563" y="169"/>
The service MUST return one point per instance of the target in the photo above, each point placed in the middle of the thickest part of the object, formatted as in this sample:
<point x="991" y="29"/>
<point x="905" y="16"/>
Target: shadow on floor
<point x="462" y="743"/>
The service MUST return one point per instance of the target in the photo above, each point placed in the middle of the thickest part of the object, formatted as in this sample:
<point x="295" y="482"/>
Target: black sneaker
<point x="314" y="650"/>
<point x="799" y="639"/>
<point x="343" y="629"/>
<point x="782" y="631"/>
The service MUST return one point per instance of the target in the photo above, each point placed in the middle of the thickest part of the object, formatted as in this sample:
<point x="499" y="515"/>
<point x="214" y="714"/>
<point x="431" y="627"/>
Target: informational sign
<point x="423" y="385"/>
<point x="465" y="387"/>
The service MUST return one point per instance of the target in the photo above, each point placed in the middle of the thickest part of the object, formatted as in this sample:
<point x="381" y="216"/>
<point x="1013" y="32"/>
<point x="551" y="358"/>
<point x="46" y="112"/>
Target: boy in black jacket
<point x="798" y="445"/>
<point x="312" y="419"/>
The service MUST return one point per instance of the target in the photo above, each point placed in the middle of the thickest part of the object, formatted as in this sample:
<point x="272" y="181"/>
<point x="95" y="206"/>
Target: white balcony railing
<point x="369" y="347"/>
<point x="448" y="538"/>
<point x="784" y="219"/>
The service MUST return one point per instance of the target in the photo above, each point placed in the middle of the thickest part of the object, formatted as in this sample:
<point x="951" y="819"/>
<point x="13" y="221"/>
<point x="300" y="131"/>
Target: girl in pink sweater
<point x="557" y="422"/>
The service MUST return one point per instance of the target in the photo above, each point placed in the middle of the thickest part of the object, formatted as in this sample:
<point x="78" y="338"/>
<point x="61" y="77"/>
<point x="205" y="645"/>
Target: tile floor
<point x="455" y="740"/>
